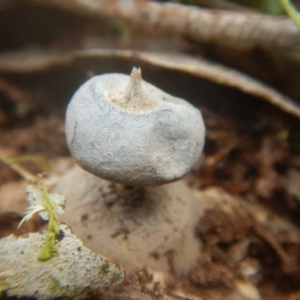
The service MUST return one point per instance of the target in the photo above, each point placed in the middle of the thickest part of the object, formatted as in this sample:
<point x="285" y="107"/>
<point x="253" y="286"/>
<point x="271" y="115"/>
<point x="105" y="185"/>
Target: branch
<point x="230" y="28"/>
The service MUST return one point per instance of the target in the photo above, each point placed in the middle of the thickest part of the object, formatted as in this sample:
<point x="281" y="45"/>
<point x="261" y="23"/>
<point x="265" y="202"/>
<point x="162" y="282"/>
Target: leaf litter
<point x="55" y="260"/>
<point x="74" y="271"/>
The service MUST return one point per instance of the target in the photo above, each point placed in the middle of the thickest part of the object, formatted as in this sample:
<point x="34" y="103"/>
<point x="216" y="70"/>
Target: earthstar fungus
<point x="131" y="132"/>
<point x="137" y="140"/>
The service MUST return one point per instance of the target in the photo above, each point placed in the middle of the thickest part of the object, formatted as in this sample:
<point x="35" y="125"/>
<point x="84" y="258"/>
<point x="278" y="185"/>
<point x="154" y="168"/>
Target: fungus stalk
<point x="133" y="143"/>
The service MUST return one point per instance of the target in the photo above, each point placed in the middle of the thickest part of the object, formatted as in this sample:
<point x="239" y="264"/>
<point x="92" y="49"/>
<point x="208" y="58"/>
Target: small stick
<point x="19" y="169"/>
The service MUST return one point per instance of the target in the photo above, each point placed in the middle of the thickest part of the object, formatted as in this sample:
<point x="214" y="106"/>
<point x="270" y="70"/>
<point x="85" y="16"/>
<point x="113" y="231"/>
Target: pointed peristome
<point x="134" y="98"/>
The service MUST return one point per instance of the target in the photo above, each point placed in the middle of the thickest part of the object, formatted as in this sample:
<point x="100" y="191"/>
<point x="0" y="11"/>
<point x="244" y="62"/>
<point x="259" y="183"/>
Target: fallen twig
<point x="230" y="28"/>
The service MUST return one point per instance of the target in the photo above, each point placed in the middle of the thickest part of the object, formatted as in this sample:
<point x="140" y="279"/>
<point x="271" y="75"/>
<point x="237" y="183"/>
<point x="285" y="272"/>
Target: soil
<point x="256" y="162"/>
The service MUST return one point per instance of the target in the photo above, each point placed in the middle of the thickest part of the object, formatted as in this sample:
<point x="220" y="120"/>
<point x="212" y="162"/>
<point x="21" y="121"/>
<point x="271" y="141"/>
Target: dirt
<point x="257" y="160"/>
<point x="255" y="169"/>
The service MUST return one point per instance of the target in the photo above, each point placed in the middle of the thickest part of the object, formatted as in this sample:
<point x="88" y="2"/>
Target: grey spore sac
<point x="126" y="130"/>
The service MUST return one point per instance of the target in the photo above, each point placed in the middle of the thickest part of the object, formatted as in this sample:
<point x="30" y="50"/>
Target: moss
<point x="55" y="288"/>
<point x="3" y="284"/>
<point x="50" y="247"/>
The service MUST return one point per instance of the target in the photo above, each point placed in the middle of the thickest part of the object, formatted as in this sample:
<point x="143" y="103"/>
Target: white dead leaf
<point x="73" y="272"/>
<point x="35" y="199"/>
<point x="36" y="205"/>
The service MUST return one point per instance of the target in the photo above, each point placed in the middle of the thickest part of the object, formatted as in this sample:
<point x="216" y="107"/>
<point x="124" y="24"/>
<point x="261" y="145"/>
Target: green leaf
<point x="291" y="12"/>
<point x="272" y="7"/>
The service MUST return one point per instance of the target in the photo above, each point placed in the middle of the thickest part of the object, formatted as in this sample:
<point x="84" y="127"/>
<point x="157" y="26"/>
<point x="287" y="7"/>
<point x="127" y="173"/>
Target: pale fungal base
<point x="155" y="231"/>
